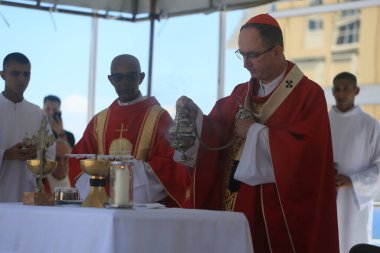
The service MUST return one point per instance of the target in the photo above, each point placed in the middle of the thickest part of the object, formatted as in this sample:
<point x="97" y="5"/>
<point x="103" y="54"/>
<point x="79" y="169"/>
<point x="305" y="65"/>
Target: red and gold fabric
<point x="139" y="129"/>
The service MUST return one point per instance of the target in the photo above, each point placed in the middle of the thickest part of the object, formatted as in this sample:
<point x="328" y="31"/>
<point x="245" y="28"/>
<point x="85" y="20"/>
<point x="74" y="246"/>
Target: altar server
<point x="19" y="119"/>
<point x="356" y="145"/>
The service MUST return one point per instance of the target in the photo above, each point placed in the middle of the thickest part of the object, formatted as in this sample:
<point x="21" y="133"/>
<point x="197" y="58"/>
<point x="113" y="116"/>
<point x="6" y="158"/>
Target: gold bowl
<point x="98" y="167"/>
<point x="34" y="166"/>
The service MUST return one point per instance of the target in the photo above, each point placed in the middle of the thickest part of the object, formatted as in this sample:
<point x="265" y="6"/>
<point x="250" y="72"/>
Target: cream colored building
<point x="326" y="37"/>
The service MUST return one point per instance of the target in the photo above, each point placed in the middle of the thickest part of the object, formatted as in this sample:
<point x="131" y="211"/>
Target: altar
<point x="71" y="229"/>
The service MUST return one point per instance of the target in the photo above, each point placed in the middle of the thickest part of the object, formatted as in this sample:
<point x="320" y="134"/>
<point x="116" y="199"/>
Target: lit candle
<point x="122" y="194"/>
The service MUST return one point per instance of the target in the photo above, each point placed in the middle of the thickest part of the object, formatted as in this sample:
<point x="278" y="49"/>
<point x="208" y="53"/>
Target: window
<point x="315" y="24"/>
<point x="348" y="27"/>
<point x="314" y="32"/>
<point x="348" y="33"/>
<point x="316" y="2"/>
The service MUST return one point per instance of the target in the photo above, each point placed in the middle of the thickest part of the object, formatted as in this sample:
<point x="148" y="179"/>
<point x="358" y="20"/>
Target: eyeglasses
<point x="251" y="55"/>
<point x="129" y="76"/>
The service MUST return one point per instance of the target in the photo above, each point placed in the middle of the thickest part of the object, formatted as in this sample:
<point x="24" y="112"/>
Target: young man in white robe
<point x="356" y="146"/>
<point x="18" y="119"/>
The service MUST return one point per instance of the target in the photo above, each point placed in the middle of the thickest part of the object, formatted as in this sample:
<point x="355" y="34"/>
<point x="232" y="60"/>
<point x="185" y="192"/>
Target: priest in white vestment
<point x="356" y="146"/>
<point x="18" y="119"/>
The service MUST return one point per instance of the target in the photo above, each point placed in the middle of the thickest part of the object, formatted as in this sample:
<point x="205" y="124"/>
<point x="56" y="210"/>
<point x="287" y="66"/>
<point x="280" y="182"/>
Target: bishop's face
<point x="16" y="76"/>
<point x="258" y="57"/>
<point x="126" y="78"/>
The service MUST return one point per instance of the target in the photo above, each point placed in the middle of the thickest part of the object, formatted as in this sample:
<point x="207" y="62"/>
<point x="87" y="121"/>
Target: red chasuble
<point x="298" y="212"/>
<point x="123" y="126"/>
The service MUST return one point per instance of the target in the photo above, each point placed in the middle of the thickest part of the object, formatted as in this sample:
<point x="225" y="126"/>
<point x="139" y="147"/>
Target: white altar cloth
<point x="71" y="229"/>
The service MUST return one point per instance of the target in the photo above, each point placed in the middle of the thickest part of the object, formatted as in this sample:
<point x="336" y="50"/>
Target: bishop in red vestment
<point x="279" y="171"/>
<point x="137" y="125"/>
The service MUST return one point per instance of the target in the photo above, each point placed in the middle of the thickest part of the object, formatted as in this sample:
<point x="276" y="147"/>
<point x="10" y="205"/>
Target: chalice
<point x="98" y="170"/>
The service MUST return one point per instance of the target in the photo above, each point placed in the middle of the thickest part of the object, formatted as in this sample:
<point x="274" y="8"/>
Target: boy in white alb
<point x="356" y="146"/>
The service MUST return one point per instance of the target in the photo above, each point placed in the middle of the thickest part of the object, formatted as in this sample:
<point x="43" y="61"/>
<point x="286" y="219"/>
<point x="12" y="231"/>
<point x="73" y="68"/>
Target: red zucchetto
<point x="265" y="19"/>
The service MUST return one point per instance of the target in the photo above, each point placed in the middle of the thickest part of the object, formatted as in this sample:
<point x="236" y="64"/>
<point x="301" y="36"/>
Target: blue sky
<point x="58" y="46"/>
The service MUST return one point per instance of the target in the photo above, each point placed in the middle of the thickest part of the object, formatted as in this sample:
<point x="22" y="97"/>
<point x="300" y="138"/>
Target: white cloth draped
<point x="72" y="229"/>
<point x="356" y="146"/>
<point x="255" y="166"/>
<point x="18" y="119"/>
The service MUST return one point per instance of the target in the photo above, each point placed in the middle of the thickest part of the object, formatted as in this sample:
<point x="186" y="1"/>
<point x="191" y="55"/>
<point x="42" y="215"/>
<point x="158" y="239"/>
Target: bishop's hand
<point x="242" y="126"/>
<point x="186" y="103"/>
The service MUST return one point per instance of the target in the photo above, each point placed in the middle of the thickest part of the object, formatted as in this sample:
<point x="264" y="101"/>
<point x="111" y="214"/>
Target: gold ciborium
<point x="98" y="170"/>
<point x="35" y="166"/>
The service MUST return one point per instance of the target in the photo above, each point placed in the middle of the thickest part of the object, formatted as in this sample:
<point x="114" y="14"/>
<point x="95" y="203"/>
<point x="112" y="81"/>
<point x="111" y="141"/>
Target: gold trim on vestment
<point x="263" y="111"/>
<point x="146" y="136"/>
<point x="147" y="132"/>
<point x="101" y="124"/>
<point x="287" y="85"/>
<point x="98" y="130"/>
<point x="229" y="198"/>
<point x="256" y="107"/>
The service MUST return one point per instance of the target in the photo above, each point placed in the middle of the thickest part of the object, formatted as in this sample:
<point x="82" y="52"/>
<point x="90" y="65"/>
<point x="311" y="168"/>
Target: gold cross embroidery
<point x="121" y="130"/>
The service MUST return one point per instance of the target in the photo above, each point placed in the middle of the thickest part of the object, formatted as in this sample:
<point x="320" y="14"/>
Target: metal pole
<point x="222" y="53"/>
<point x="151" y="44"/>
<point x="92" y="76"/>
